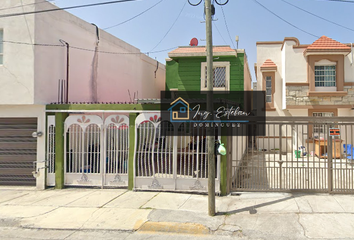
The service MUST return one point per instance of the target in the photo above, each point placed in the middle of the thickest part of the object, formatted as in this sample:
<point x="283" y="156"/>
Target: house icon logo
<point x="179" y="110"/>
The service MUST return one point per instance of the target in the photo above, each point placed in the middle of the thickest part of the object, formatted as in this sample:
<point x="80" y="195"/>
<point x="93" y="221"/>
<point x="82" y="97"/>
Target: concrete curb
<point x="173" y="227"/>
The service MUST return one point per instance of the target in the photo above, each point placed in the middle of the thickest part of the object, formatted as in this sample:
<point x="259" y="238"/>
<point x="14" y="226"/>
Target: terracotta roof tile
<point x="326" y="43"/>
<point x="268" y="64"/>
<point x="201" y="49"/>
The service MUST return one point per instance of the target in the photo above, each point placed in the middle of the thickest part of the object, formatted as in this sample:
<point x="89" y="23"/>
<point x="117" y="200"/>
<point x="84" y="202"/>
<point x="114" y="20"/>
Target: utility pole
<point x="210" y="131"/>
<point x="209" y="11"/>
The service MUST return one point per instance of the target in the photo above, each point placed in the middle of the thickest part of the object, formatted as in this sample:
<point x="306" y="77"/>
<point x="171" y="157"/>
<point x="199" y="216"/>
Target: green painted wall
<point x="185" y="73"/>
<point x="223" y="167"/>
<point x="132" y="117"/>
<point x="59" y="149"/>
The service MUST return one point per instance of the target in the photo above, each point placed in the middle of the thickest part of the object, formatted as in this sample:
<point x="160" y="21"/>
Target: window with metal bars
<point x="221" y="76"/>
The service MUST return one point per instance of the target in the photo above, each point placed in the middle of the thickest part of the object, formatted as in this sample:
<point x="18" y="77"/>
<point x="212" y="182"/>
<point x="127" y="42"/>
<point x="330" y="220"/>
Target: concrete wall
<point x="17" y="73"/>
<point x="99" y="72"/>
<point x="264" y="52"/>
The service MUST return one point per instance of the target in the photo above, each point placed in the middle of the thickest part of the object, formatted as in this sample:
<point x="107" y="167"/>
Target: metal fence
<point x="176" y="161"/>
<point x="296" y="154"/>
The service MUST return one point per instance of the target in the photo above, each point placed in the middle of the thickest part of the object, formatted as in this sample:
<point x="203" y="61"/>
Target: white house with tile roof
<point x="306" y="79"/>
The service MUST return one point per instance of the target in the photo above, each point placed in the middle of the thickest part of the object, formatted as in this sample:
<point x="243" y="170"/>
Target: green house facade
<point x="186" y="69"/>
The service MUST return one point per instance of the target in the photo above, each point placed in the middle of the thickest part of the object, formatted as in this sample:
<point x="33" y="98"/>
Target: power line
<point x="318" y="16"/>
<point x="65" y="8"/>
<point x="219" y="33"/>
<point x="83" y="49"/>
<point x="285" y="20"/>
<point x="227" y="27"/>
<point x="185" y="3"/>
<point x="116" y="25"/>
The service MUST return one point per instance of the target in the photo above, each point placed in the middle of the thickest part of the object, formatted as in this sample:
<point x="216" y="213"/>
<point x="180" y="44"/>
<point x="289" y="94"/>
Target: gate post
<point x="59" y="149"/>
<point x="330" y="160"/>
<point x="223" y="166"/>
<point x="132" y="117"/>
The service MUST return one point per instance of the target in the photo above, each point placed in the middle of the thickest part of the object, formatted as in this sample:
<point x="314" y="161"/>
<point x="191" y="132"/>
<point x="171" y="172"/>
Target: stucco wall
<point x="264" y="52"/>
<point x="102" y="76"/>
<point x="17" y="73"/>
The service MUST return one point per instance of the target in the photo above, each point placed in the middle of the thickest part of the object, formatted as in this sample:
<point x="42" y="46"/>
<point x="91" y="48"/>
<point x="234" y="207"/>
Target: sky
<point x="173" y="23"/>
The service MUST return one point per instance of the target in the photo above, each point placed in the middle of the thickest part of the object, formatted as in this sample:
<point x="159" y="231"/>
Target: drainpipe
<point x="95" y="67"/>
<point x="67" y="69"/>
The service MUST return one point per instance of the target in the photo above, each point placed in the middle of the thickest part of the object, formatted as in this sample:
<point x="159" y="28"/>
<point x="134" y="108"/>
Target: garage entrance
<point x="18" y="151"/>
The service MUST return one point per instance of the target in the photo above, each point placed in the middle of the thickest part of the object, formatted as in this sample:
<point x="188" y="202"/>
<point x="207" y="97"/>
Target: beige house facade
<point x="306" y="79"/>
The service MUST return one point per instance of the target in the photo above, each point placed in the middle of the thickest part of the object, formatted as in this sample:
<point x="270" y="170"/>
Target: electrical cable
<point x="219" y="33"/>
<point x="285" y="20"/>
<point x="318" y="16"/>
<point x="65" y="8"/>
<point x="222" y="4"/>
<point x="185" y="3"/>
<point x="83" y="49"/>
<point x="194" y="4"/>
<point x="118" y="24"/>
<point x="227" y="27"/>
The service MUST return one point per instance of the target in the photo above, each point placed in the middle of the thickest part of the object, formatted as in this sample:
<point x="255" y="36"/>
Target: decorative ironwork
<point x="155" y="119"/>
<point x="117" y="119"/>
<point x="84" y="179"/>
<point x="117" y="180"/>
<point x="155" y="184"/>
<point x="83" y="120"/>
<point x="197" y="186"/>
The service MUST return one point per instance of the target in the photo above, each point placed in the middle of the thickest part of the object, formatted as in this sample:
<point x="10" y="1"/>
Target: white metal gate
<point x="96" y="151"/>
<point x="175" y="161"/>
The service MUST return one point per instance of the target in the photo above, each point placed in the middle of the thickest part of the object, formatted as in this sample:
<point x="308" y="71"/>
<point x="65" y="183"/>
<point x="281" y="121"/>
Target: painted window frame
<point x="215" y="65"/>
<point x="269" y="105"/>
<point x="325" y="63"/>
<point x="335" y="59"/>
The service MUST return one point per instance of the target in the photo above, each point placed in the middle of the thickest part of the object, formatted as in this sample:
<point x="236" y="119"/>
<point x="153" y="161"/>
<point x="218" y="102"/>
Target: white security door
<point x="83" y="147"/>
<point x="176" y="161"/>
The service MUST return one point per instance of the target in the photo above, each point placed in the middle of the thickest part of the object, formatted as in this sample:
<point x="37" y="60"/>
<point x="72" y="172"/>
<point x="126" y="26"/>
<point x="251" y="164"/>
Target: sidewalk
<point x="247" y="215"/>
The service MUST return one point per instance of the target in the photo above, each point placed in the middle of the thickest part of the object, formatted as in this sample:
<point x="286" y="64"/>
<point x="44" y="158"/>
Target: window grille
<point x="219" y="77"/>
<point x="325" y="76"/>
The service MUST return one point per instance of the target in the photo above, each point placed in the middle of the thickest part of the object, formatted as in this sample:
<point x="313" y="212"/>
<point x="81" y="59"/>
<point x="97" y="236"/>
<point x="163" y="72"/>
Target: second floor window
<point x="325" y="76"/>
<point x="268" y="89"/>
<point x="221" y="76"/>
